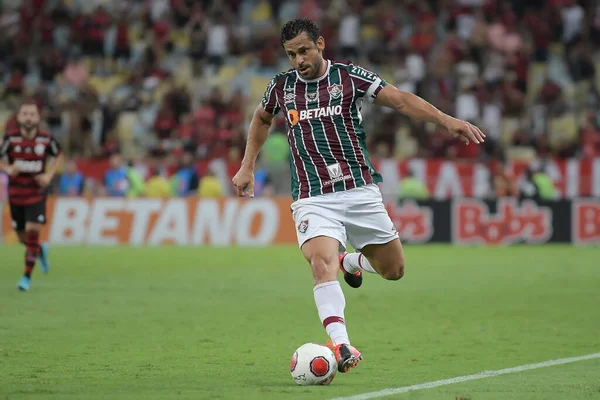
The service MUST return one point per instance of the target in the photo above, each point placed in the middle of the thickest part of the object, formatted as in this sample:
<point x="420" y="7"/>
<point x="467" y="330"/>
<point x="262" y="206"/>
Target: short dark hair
<point x="28" y="102"/>
<point x="295" y="27"/>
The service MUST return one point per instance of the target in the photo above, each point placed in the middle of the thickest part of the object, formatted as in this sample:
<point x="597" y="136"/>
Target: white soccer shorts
<point x="357" y="216"/>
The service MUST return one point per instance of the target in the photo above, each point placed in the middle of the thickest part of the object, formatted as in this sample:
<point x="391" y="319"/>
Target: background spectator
<point x="148" y="77"/>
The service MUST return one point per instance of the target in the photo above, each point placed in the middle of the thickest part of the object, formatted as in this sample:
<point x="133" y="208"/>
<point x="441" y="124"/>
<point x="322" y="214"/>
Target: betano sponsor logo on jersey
<point x="294" y="116"/>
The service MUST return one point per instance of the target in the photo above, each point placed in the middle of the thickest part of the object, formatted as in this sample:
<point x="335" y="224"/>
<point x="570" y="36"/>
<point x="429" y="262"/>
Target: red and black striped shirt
<point x="30" y="156"/>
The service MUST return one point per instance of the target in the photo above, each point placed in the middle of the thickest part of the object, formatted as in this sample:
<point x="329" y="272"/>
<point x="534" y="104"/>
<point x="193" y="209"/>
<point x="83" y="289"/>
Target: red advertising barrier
<point x="445" y="179"/>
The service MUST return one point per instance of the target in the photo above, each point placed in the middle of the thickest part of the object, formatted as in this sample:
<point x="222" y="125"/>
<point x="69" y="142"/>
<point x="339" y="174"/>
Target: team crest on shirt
<point x="335" y="90"/>
<point x="303" y="226"/>
<point x="39" y="149"/>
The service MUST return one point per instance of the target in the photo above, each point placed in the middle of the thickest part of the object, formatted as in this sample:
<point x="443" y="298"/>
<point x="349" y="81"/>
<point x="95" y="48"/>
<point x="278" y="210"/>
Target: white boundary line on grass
<point x="465" y="378"/>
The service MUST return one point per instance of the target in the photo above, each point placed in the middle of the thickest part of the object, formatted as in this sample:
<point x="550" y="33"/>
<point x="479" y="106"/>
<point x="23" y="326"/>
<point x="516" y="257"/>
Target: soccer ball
<point x="313" y="364"/>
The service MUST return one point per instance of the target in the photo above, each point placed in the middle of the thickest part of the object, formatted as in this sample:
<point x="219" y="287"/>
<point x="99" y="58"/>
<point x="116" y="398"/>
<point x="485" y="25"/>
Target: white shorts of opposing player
<point x="356" y="216"/>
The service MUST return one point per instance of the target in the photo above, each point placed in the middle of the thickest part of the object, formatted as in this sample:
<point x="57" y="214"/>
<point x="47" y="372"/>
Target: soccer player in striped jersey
<point x="28" y="150"/>
<point x="333" y="182"/>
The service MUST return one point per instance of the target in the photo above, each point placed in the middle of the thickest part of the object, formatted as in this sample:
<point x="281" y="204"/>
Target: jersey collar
<point x="316" y="79"/>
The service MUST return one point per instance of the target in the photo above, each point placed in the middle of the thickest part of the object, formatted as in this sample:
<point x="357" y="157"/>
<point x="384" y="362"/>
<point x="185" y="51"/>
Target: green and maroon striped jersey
<point x="324" y="127"/>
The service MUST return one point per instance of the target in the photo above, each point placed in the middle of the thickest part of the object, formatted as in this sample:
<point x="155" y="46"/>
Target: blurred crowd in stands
<point x="164" y="82"/>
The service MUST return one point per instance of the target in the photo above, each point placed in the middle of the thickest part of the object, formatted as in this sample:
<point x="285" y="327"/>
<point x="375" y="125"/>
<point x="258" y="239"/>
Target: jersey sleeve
<point x="4" y="143"/>
<point x="366" y="83"/>
<point x="269" y="101"/>
<point x="54" y="149"/>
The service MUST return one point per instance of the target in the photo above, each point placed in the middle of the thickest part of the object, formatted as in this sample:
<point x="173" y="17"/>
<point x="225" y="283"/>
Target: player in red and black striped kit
<point x="28" y="151"/>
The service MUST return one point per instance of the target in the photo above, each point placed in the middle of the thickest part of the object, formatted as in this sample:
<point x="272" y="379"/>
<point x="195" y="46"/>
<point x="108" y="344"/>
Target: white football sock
<point x="353" y="262"/>
<point x="330" y="302"/>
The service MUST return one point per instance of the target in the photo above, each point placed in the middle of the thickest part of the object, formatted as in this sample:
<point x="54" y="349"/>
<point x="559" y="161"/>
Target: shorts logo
<point x="310" y="97"/>
<point x="303" y="226"/>
<point x="39" y="149"/>
<point x="40" y="218"/>
<point x="335" y="90"/>
<point x="17" y="149"/>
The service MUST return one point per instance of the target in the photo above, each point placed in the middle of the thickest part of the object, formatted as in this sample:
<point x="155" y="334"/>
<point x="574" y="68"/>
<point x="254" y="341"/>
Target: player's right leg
<point x="31" y="217"/>
<point x="320" y="236"/>
<point x="21" y="235"/>
<point x="36" y="217"/>
<point x="17" y="214"/>
<point x="322" y="254"/>
<point x="25" y="280"/>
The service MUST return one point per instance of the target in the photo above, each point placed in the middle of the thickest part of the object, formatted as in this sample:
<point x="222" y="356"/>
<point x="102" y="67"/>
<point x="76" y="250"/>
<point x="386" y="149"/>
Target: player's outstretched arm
<point x="419" y="109"/>
<point x="257" y="135"/>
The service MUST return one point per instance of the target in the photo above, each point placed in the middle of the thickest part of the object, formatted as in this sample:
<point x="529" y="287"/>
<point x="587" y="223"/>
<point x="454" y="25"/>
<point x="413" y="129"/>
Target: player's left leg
<point x="372" y="232"/>
<point x="387" y="259"/>
<point x="36" y="217"/>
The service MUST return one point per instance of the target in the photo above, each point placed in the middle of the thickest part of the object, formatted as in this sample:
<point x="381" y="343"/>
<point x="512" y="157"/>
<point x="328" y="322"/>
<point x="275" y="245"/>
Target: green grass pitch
<point x="210" y="323"/>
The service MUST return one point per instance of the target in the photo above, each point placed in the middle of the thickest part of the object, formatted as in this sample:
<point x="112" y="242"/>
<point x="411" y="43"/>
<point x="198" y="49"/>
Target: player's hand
<point x="464" y="130"/>
<point x="244" y="182"/>
<point x="12" y="170"/>
<point x="43" y="180"/>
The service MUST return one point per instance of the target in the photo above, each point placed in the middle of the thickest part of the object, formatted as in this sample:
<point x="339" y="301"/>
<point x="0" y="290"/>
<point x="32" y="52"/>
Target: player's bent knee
<point x="321" y="269"/>
<point x="395" y="271"/>
<point x="393" y="274"/>
<point x="31" y="227"/>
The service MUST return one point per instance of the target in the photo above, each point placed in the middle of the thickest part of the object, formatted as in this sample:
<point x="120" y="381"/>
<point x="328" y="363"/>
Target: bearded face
<point x="28" y="117"/>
